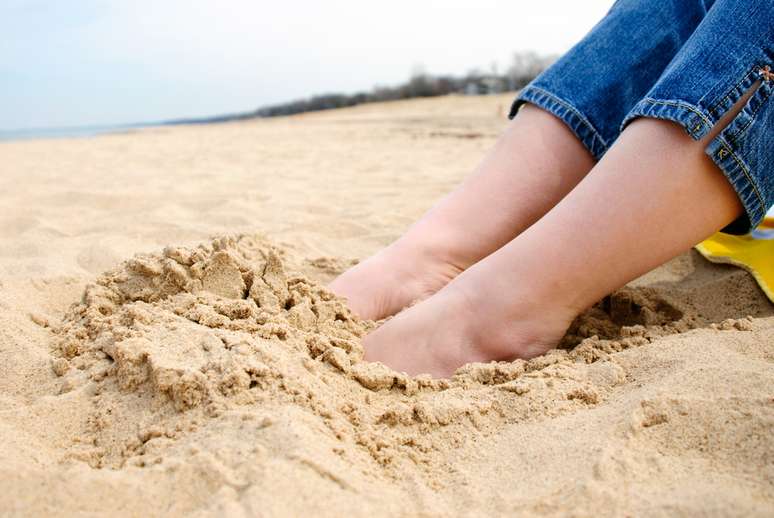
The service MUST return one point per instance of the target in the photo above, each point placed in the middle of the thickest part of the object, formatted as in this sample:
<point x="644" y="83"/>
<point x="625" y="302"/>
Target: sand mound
<point x="173" y="342"/>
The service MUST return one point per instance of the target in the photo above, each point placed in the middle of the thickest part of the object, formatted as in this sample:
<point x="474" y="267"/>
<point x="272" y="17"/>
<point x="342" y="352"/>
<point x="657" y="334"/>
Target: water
<point x="67" y="132"/>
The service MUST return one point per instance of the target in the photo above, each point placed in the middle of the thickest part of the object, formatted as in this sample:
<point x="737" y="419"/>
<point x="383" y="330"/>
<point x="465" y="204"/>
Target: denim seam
<point x="731" y="91"/>
<point x="649" y="107"/>
<point x="733" y="136"/>
<point x="582" y="119"/>
<point x="745" y="170"/>
<point x="685" y="106"/>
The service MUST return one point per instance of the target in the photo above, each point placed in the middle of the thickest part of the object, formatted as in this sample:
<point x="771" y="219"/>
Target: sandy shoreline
<point x="213" y="374"/>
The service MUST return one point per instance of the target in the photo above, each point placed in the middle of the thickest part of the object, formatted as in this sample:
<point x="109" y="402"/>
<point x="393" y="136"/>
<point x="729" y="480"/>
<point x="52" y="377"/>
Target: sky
<point x="101" y="62"/>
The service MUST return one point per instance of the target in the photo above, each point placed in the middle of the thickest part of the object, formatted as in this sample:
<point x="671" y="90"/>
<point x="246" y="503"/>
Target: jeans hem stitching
<point x="746" y="171"/>
<point x="678" y="104"/>
<point x="525" y="96"/>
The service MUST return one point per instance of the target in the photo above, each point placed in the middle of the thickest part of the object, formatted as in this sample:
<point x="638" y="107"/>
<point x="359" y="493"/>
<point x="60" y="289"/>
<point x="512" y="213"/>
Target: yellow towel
<point x="753" y="252"/>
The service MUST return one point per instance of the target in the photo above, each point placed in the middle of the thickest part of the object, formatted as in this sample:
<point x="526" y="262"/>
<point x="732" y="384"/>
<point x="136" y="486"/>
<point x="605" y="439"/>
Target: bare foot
<point x="466" y="323"/>
<point x="393" y="279"/>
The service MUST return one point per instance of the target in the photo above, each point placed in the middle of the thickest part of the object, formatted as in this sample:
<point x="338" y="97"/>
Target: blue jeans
<point x="687" y="61"/>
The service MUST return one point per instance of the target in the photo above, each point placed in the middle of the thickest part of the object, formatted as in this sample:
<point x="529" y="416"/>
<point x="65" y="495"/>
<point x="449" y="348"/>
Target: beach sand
<point x="167" y="346"/>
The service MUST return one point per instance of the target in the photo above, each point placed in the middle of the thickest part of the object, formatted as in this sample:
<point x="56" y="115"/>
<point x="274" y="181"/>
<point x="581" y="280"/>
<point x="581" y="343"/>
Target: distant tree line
<point x="524" y="67"/>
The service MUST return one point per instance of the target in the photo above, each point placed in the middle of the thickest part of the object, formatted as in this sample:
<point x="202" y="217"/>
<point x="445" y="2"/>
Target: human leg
<point x="653" y="196"/>
<point x="534" y="164"/>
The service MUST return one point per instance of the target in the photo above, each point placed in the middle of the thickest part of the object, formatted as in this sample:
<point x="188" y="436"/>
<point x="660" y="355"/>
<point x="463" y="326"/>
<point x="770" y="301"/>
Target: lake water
<point x="82" y="131"/>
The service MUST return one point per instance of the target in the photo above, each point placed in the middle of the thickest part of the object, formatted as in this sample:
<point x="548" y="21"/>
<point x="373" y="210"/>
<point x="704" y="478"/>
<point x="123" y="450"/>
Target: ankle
<point x="431" y="247"/>
<point x="418" y="272"/>
<point x="511" y="322"/>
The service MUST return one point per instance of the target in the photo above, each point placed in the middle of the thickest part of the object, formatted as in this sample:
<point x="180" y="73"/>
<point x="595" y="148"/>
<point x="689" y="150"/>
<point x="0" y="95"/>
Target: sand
<point x="168" y="347"/>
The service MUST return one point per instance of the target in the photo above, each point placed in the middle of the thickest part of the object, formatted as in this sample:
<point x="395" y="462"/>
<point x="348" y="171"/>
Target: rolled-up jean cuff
<point x="567" y="113"/>
<point x="697" y="124"/>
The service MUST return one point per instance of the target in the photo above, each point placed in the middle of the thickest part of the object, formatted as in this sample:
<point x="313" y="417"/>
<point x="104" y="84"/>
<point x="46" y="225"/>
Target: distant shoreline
<point x="525" y="68"/>
<point x="107" y="129"/>
<point x="70" y="132"/>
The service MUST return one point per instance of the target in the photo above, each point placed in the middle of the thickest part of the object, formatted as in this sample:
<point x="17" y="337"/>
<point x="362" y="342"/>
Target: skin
<point x="653" y="196"/>
<point x="518" y="181"/>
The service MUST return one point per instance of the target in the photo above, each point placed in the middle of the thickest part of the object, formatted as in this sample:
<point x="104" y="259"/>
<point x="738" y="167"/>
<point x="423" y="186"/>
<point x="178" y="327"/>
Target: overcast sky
<point x="84" y="62"/>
